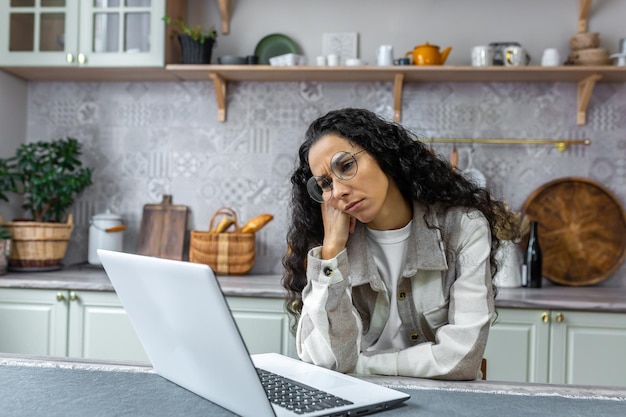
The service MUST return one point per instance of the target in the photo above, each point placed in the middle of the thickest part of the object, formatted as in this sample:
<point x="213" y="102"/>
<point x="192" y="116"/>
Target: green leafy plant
<point x="4" y="233"/>
<point x="6" y="184"/>
<point x="196" y="32"/>
<point x="49" y="176"/>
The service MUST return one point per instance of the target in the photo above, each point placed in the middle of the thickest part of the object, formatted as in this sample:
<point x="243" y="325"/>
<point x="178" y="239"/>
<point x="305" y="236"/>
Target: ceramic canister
<point x="106" y="231"/>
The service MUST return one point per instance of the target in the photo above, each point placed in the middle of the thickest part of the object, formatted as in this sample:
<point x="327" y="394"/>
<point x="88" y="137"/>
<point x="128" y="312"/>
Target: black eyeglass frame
<point x="316" y="192"/>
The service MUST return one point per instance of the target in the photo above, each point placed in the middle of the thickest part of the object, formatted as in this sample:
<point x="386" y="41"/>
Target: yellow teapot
<point x="428" y="54"/>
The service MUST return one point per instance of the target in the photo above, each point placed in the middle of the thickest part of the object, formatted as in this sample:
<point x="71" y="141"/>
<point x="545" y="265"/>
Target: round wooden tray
<point x="582" y="230"/>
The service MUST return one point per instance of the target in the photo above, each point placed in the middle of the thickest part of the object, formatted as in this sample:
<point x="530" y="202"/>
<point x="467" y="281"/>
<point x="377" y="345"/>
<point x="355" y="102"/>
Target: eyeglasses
<point x="343" y="165"/>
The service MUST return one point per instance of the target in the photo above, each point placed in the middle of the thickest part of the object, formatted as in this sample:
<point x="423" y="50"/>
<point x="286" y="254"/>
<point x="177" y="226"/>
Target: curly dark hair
<point x="419" y="174"/>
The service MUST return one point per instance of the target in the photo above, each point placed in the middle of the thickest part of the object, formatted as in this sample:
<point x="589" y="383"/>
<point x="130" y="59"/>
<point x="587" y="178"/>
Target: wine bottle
<point x="533" y="258"/>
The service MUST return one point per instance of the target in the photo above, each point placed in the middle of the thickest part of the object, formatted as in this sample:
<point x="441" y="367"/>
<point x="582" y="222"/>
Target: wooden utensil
<point x="162" y="230"/>
<point x="582" y="230"/>
<point x="454" y="156"/>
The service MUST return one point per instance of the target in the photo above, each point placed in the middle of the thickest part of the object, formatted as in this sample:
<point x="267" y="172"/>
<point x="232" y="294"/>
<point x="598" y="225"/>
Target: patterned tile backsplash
<point x="144" y="140"/>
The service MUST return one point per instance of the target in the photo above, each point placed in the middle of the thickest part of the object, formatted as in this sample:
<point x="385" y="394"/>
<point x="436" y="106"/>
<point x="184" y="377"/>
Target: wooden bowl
<point x="584" y="40"/>
<point x="582" y="230"/>
<point x="592" y="56"/>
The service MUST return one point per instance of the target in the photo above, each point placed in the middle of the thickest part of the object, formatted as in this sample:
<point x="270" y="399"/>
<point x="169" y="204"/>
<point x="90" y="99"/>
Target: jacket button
<point x="402" y="295"/>
<point x="328" y="271"/>
<point x="414" y="337"/>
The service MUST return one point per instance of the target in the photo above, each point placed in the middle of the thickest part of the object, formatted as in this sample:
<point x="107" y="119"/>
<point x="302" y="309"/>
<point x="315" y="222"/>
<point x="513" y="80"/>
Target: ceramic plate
<point x="274" y="45"/>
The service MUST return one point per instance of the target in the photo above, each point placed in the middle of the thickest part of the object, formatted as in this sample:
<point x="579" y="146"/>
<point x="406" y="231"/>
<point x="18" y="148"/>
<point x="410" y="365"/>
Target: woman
<point x="391" y="253"/>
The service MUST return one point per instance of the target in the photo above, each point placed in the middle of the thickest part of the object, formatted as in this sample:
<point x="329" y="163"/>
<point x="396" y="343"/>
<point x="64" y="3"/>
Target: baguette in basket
<point x="256" y="223"/>
<point x="227" y="252"/>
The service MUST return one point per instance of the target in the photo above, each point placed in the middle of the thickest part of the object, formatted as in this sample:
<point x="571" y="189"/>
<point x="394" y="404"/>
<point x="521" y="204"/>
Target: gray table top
<point x="591" y="298"/>
<point x="63" y="387"/>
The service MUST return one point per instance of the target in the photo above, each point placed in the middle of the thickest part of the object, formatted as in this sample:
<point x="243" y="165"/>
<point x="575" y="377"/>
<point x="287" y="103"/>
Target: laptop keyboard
<point x="295" y="396"/>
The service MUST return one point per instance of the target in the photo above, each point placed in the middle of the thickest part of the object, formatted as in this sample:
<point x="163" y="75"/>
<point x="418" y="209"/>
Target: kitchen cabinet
<point x="83" y="34"/>
<point x="94" y="325"/>
<point x="82" y="324"/>
<point x="561" y="347"/>
<point x="263" y="324"/>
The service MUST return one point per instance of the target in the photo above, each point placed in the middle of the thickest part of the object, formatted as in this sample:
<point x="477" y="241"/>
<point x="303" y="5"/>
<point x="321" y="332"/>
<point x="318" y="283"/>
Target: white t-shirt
<point x="388" y="248"/>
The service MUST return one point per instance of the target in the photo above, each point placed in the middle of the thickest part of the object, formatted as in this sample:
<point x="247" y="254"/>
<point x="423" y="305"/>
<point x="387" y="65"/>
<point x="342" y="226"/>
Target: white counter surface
<point x="550" y="297"/>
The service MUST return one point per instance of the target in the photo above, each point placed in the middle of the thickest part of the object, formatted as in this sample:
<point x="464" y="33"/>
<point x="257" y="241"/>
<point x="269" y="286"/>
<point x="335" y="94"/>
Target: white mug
<point x="515" y="56"/>
<point x="550" y="58"/>
<point x="482" y="56"/>
<point x="384" y="57"/>
<point x="332" y="60"/>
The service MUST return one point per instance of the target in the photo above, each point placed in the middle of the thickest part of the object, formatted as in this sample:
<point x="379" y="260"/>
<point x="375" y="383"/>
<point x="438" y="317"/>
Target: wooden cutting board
<point x="582" y="230"/>
<point x="162" y="230"/>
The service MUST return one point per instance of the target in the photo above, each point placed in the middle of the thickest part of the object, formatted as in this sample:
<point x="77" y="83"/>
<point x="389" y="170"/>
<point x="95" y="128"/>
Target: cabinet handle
<point x="60" y="296"/>
<point x="559" y="318"/>
<point x="545" y="317"/>
<point x="69" y="58"/>
<point x="82" y="58"/>
<point x="73" y="296"/>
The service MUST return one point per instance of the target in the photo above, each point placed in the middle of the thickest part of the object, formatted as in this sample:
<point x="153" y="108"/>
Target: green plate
<point x="274" y="45"/>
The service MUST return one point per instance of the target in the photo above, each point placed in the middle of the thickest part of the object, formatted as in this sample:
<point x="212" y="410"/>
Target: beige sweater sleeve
<point x="329" y="329"/>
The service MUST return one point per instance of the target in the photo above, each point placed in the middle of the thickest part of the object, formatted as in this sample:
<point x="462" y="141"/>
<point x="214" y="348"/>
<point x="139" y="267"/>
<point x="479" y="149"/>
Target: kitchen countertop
<point x="88" y="278"/>
<point x="73" y="387"/>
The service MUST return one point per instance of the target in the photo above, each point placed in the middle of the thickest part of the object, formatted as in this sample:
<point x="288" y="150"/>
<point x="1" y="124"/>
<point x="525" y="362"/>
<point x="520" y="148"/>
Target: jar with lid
<point x="105" y="232"/>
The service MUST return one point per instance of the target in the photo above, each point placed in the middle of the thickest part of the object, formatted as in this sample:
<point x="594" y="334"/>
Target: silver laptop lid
<point x="182" y="319"/>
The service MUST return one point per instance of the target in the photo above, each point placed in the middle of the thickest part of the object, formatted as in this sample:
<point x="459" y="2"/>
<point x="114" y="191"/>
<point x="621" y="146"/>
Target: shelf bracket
<point x="585" y="88"/>
<point x="583" y="14"/>
<point x="398" y="83"/>
<point x="224" y="6"/>
<point x="220" y="94"/>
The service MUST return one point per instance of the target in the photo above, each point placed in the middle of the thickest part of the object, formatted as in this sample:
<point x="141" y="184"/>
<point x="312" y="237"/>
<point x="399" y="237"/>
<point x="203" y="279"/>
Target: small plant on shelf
<point x="196" y="42"/>
<point x="196" y="32"/>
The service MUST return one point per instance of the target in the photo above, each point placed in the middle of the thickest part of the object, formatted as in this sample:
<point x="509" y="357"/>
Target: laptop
<point x="181" y="317"/>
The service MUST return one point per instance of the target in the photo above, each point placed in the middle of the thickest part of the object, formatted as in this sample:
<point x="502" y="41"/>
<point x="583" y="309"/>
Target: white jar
<point x="105" y="232"/>
<point x="509" y="273"/>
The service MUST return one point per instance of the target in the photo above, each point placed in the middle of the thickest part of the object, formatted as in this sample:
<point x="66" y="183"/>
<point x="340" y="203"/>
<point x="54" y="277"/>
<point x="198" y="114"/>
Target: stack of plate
<point x="585" y="50"/>
<point x="274" y="45"/>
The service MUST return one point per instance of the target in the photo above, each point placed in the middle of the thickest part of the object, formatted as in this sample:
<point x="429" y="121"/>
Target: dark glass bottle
<point x="533" y="259"/>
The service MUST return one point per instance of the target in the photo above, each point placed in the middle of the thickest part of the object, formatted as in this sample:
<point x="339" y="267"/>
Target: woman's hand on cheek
<point x="337" y="227"/>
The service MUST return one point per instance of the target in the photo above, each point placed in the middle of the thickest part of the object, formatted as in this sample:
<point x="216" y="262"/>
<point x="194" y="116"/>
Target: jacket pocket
<point x="437" y="317"/>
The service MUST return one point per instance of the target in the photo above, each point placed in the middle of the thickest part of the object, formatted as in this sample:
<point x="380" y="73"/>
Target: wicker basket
<point x="38" y="245"/>
<point x="228" y="253"/>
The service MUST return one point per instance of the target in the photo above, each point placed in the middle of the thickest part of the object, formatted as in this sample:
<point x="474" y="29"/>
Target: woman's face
<point x="365" y="196"/>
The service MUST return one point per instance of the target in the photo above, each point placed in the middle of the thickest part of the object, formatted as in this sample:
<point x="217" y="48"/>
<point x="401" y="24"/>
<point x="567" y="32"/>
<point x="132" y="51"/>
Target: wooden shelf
<point x="82" y="74"/>
<point x="585" y="76"/>
<point x="221" y="75"/>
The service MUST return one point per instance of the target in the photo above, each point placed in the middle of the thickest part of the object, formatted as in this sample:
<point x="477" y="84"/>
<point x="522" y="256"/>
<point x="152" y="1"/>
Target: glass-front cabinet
<point x="89" y="33"/>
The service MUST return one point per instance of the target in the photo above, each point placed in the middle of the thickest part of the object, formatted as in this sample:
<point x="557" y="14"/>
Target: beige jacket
<point x="445" y="301"/>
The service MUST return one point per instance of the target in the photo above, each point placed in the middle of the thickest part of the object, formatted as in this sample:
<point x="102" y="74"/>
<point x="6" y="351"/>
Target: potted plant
<point x="196" y="42"/>
<point x="48" y="176"/>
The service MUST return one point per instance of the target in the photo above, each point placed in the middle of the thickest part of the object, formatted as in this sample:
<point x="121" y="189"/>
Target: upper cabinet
<point x="87" y="33"/>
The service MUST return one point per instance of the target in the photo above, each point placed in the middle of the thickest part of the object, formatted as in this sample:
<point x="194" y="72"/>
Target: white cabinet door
<point x="588" y="348"/>
<point x="517" y="349"/>
<point x="121" y="33"/>
<point x="100" y="329"/>
<point x="33" y="321"/>
<point x="38" y="33"/>
<point x="263" y="324"/>
<point x="89" y="33"/>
